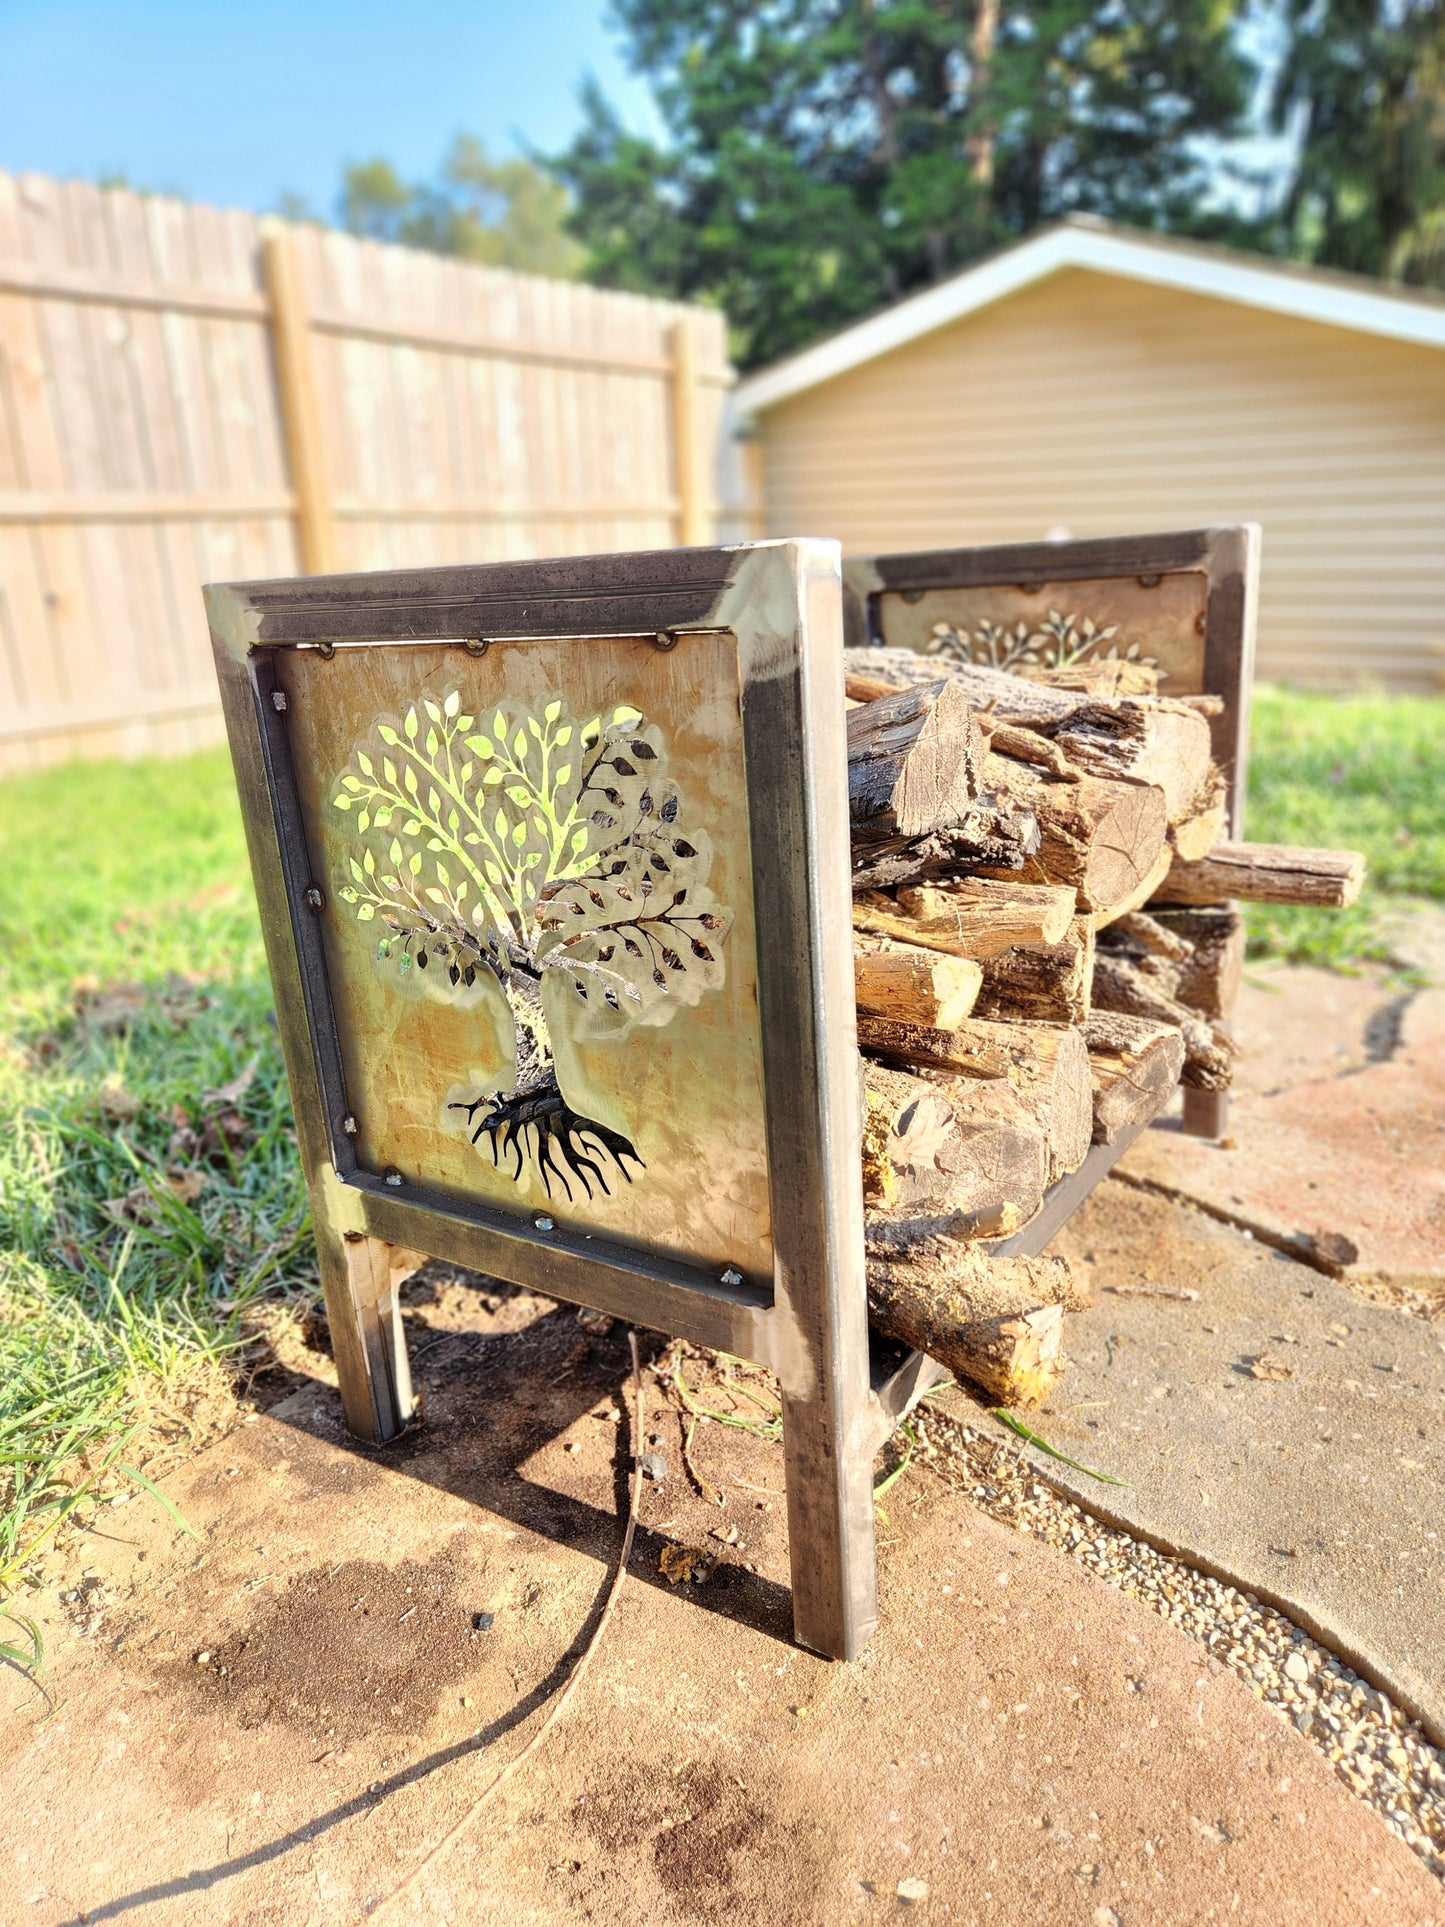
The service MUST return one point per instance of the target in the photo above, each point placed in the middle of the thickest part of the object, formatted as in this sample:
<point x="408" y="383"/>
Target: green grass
<point x="117" y="1318"/>
<point x="143" y="1220"/>
<point x="1358" y="772"/>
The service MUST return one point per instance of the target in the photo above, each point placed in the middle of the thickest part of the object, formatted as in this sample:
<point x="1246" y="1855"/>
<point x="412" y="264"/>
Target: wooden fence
<point x="189" y="394"/>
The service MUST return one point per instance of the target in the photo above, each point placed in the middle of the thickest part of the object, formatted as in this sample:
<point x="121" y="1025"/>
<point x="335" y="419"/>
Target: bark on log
<point x="1103" y="838"/>
<point x="992" y="834"/>
<point x="952" y="1144"/>
<point x="914" y="762"/>
<point x="1212" y="941"/>
<point x="913" y="984"/>
<point x="1102" y="679"/>
<point x="1041" y="983"/>
<point x="1046" y="1066"/>
<point x="1268" y="873"/>
<point x="1134" y="1065"/>
<point x="971" y="916"/>
<point x="1148" y="990"/>
<point x="997" y="1322"/>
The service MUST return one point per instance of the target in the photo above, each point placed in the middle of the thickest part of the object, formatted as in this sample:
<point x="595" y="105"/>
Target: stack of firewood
<point x="1044" y="947"/>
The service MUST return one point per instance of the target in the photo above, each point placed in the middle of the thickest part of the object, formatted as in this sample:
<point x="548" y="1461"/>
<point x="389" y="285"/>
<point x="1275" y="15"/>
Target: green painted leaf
<point x="563" y="736"/>
<point x="364" y="763"/>
<point x="409" y="780"/>
<point x="519" y="835"/>
<point x="365" y="912"/>
<point x="535" y="727"/>
<point x="443" y="874"/>
<point x="499" y="728"/>
<point x="415" y="864"/>
<point x="552" y="711"/>
<point x="395" y="852"/>
<point x="368" y="863"/>
<point x="519" y="744"/>
<point x="433" y="742"/>
<point x="518" y="795"/>
<point x="388" y="769"/>
<point x="348" y="895"/>
<point x="564" y="775"/>
<point x="363" y="820"/>
<point x="355" y="868"/>
<point x="411" y="827"/>
<point x="579" y="842"/>
<point x="481" y="746"/>
<point x="432" y="710"/>
<point x="352" y="783"/>
<point x="495" y="774"/>
<point x="454" y="822"/>
<point x="453" y="702"/>
<point x="435" y="895"/>
<point x="409" y="724"/>
<point x="342" y="802"/>
<point x="387" y="734"/>
<point x="500" y="826"/>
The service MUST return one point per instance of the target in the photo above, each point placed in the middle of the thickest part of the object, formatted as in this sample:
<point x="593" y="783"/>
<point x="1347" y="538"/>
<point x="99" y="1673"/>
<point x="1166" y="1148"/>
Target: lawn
<point x="153" y="1231"/>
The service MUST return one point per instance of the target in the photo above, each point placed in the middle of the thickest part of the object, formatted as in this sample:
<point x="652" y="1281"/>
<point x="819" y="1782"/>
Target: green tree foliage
<point x="506" y="214"/>
<point x="1362" y="86"/>
<point x="827" y="156"/>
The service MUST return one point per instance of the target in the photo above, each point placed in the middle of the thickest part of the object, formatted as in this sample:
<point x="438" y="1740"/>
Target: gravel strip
<point x="1379" y="1752"/>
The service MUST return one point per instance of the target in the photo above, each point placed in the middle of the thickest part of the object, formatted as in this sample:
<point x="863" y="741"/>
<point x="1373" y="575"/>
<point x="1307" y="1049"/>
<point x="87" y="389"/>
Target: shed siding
<point x="1109" y="407"/>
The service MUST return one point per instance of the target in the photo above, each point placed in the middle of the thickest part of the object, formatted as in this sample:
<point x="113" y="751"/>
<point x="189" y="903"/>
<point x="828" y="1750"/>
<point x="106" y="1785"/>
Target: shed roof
<point x="1083" y="241"/>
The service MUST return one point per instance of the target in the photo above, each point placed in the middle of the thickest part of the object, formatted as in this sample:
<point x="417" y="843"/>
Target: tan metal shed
<point x="1097" y="381"/>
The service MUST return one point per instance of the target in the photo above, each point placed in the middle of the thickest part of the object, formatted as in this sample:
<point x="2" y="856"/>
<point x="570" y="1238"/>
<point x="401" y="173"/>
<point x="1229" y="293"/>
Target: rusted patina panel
<point x="539" y="929"/>
<point x="1158" y="619"/>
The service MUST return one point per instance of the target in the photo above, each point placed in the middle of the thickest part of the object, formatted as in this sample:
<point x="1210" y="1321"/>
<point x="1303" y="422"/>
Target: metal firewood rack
<point x="760" y="630"/>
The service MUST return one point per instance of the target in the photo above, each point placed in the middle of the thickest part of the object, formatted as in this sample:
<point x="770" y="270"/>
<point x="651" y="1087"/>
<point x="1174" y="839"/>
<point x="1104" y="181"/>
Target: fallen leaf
<point x="911" y="1889"/>
<point x="233" y="1092"/>
<point x="118" y="1105"/>
<point x="1266" y="1367"/>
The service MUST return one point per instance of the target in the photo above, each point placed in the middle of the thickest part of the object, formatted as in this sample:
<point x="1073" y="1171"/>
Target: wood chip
<point x="1154" y="1291"/>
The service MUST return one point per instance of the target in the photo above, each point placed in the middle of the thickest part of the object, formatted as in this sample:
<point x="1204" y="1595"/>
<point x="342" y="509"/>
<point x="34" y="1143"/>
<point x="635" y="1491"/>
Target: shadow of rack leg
<point x="362" y="1279"/>
<point x="829" y="1472"/>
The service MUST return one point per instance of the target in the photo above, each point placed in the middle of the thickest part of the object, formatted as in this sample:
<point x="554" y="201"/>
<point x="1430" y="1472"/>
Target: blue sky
<point x="235" y="103"/>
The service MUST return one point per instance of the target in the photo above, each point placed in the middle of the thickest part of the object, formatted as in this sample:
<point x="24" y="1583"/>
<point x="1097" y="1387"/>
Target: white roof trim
<point x="1136" y="257"/>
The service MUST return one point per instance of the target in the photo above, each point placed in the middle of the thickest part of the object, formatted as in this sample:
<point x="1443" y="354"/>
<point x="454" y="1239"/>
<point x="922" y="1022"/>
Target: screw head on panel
<point x="393" y="1176"/>
<point x="348" y="1124"/>
<point x="543" y="1223"/>
<point x="278" y="699"/>
<point x="732" y="1277"/>
<point x="314" y="898"/>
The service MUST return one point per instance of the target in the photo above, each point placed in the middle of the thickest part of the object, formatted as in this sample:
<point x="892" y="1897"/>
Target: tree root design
<point x="538" y="1128"/>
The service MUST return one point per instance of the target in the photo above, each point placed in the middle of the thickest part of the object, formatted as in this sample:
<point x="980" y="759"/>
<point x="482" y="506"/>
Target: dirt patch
<point x="712" y="1839"/>
<point x="357" y="1649"/>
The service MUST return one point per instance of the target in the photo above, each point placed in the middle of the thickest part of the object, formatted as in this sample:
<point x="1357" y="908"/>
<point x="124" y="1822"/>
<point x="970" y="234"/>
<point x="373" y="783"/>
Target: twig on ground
<point x="574" y="1678"/>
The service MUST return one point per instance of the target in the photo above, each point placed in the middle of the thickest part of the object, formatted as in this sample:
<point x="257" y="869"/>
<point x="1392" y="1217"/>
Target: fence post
<point x="692" y="515"/>
<point x="300" y="403"/>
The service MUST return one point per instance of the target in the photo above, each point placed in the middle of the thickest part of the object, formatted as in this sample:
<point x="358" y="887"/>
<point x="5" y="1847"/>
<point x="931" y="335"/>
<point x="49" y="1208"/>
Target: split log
<point x="1134" y="1065"/>
<point x="1149" y="990"/>
<point x="1041" y="983"/>
<point x="971" y="916"/>
<point x="1046" y="1065"/>
<point x="997" y="1322"/>
<point x="1166" y="744"/>
<point x="1268" y="873"/>
<point x="911" y="983"/>
<point x="1196" y="833"/>
<point x="952" y="1144"/>
<point x="915" y="759"/>
<point x="1102" y="838"/>
<point x="991" y="834"/>
<point x="1102" y="678"/>
<point x="1212" y="940"/>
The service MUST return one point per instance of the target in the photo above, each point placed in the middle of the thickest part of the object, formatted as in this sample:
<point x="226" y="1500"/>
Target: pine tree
<point x="828" y="156"/>
<point x="1362" y="86"/>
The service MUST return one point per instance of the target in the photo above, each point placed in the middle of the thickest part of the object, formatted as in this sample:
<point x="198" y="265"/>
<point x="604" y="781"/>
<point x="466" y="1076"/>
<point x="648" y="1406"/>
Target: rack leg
<point x="830" y="1521"/>
<point x="362" y="1279"/>
<point x="1206" y="1113"/>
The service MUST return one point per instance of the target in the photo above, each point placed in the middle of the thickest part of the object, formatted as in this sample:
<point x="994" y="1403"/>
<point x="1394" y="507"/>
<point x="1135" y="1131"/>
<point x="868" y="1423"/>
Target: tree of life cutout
<point x="549" y="857"/>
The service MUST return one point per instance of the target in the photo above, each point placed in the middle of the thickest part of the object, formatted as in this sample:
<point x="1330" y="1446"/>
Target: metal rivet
<point x="315" y="898"/>
<point x="278" y="699"/>
<point x="348" y="1124"/>
<point x="913" y="595"/>
<point x="393" y="1176"/>
<point x="543" y="1224"/>
<point x="731" y="1277"/>
<point x="475" y="645"/>
<point x="666" y="639"/>
<point x="1150" y="581"/>
<point x="326" y="650"/>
